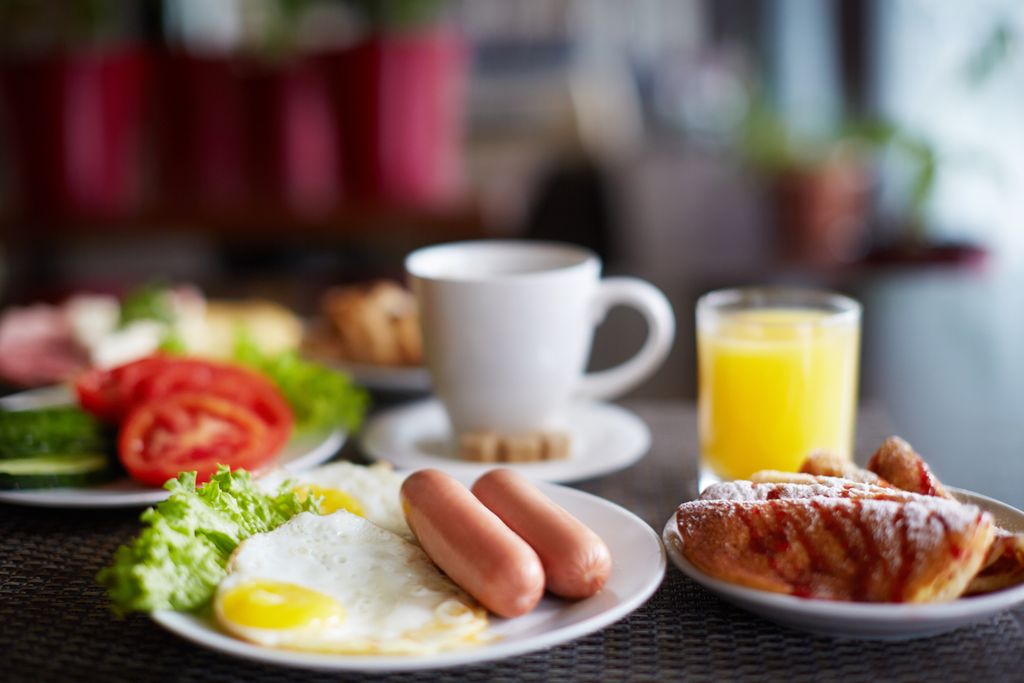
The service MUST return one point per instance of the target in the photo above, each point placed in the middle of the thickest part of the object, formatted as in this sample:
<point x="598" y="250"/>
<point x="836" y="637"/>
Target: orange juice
<point x="774" y="385"/>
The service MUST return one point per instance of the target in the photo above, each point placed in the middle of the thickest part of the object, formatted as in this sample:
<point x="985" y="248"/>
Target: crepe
<point x="854" y="548"/>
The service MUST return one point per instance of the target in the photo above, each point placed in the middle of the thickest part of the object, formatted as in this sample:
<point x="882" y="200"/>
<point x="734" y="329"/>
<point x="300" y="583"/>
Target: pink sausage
<point x="575" y="559"/>
<point x="475" y="548"/>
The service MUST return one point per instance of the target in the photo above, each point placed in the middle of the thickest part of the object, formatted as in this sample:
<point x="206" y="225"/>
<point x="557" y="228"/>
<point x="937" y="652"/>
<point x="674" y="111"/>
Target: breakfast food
<point x="339" y="583"/>
<point x="375" y="323"/>
<point x="576" y="561"/>
<point x="837" y="549"/>
<point x="50" y="447"/>
<point x="370" y="491"/>
<point x="180" y="414"/>
<point x="898" y="463"/>
<point x="833" y="530"/>
<point x="471" y="544"/>
<point x="182" y="553"/>
<point x="490" y="446"/>
<point x="824" y="463"/>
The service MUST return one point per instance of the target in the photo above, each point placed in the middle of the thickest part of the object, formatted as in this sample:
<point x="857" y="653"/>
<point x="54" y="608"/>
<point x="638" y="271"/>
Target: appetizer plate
<point x="301" y="453"/>
<point x="869" y="621"/>
<point x="409" y="379"/>
<point x="638" y="570"/>
<point x="605" y="438"/>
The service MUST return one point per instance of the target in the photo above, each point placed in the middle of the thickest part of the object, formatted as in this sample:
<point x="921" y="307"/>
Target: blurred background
<point x="275" y="148"/>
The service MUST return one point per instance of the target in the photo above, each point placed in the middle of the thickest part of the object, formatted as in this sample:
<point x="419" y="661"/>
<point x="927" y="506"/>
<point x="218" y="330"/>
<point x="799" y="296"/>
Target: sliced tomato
<point x="228" y="381"/>
<point x="111" y="394"/>
<point x="108" y="394"/>
<point x="187" y="431"/>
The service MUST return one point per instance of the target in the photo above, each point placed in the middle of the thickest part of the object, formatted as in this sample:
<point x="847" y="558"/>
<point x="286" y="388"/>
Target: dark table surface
<point x="55" y="625"/>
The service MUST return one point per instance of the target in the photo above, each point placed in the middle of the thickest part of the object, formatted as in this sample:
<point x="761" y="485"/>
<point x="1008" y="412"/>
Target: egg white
<point x="395" y="600"/>
<point x="375" y="487"/>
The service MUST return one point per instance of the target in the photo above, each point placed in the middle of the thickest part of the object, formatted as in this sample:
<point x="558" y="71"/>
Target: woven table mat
<point x="55" y="624"/>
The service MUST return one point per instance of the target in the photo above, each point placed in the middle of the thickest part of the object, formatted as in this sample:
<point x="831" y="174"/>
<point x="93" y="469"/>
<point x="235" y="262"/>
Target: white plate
<point x="862" y="620"/>
<point x="639" y="566"/>
<point x="605" y="438"/>
<point x="414" y="379"/>
<point x="301" y="453"/>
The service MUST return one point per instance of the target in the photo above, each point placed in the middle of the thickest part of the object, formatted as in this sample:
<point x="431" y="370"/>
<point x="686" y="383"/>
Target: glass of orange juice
<point x="777" y="378"/>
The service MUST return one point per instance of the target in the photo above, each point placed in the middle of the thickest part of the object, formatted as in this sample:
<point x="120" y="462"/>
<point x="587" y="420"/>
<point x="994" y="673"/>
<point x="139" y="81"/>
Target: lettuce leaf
<point x="177" y="561"/>
<point x="320" y="398"/>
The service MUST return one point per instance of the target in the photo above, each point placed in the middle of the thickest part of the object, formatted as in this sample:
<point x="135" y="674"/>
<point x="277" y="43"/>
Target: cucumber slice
<point x="48" y="471"/>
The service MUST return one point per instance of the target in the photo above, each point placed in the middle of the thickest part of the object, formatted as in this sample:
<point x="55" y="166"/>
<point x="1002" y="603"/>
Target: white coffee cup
<point x="507" y="330"/>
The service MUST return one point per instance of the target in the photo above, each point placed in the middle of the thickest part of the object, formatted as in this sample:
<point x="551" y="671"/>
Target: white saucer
<point x="605" y="438"/>
<point x="868" y="621"/>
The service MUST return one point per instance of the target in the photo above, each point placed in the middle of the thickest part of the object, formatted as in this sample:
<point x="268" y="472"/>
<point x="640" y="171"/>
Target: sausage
<point x="475" y="548"/>
<point x="575" y="559"/>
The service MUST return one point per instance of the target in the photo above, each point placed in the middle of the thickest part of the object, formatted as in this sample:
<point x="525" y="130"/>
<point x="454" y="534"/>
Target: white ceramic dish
<point x="863" y="620"/>
<point x="639" y="566"/>
<point x="301" y="453"/>
<point x="605" y="438"/>
<point x="411" y="379"/>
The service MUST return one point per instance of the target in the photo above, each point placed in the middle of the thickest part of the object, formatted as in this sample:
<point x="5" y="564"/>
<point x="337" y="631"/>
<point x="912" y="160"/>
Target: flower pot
<point x="400" y="97"/>
<point x="293" y="136"/>
<point x="73" y="124"/>
<point x="201" y="136"/>
<point x="821" y="211"/>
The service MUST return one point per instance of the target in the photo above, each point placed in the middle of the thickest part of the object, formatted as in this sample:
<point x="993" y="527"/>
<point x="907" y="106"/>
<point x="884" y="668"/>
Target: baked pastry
<point x="899" y="467"/>
<point x="824" y="463"/>
<point x="862" y="549"/>
<point x="898" y="463"/>
<point x="375" y="323"/>
<point x="804" y="486"/>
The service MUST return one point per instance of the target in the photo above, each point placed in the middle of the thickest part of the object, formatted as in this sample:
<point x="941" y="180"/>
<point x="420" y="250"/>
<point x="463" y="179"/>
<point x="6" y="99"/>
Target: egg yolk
<point x="279" y="605"/>
<point x="331" y="500"/>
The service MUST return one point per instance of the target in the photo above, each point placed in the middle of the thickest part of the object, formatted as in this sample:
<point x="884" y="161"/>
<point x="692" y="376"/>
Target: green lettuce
<point x="177" y="561"/>
<point x="320" y="398"/>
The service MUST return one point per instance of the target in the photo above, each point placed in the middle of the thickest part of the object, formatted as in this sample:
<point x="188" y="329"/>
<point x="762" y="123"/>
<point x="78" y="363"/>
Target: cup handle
<point x="661" y="331"/>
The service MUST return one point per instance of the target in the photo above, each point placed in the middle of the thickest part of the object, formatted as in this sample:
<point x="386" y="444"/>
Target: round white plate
<point x="301" y="453"/>
<point x="639" y="566"/>
<point x="605" y="438"/>
<point x="864" y="620"/>
<point x="414" y="379"/>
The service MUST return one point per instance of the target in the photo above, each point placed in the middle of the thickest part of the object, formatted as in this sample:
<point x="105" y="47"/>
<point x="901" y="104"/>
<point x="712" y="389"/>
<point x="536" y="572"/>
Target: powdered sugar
<point x="826" y="487"/>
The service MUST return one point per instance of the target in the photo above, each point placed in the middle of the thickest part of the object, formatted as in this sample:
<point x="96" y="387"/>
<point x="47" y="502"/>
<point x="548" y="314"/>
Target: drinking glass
<point x="777" y="378"/>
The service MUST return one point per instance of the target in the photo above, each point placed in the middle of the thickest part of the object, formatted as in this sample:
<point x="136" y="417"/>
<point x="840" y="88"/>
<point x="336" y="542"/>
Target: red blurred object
<point x="202" y="145"/>
<point x="293" y="140"/>
<point x="400" y="97"/>
<point x="74" y="123"/>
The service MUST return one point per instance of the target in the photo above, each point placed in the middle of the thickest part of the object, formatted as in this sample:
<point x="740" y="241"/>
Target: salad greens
<point x="148" y="302"/>
<point x="320" y="398"/>
<point x="177" y="561"/>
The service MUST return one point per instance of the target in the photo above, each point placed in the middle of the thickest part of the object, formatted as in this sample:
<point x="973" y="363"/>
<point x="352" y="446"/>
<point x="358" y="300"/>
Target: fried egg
<point x="339" y="583"/>
<point x="371" y="491"/>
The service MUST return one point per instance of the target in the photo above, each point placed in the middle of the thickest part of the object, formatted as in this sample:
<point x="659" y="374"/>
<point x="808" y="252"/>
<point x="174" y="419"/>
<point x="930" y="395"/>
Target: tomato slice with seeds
<point x="239" y="384"/>
<point x="187" y="431"/>
<point x="107" y="394"/>
<point x="111" y="394"/>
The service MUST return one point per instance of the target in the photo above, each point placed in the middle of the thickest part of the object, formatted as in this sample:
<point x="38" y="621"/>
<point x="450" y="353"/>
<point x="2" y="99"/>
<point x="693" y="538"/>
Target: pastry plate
<point x="605" y="438"/>
<point x="301" y="453"/>
<point x="639" y="566"/>
<point x="864" y="620"/>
